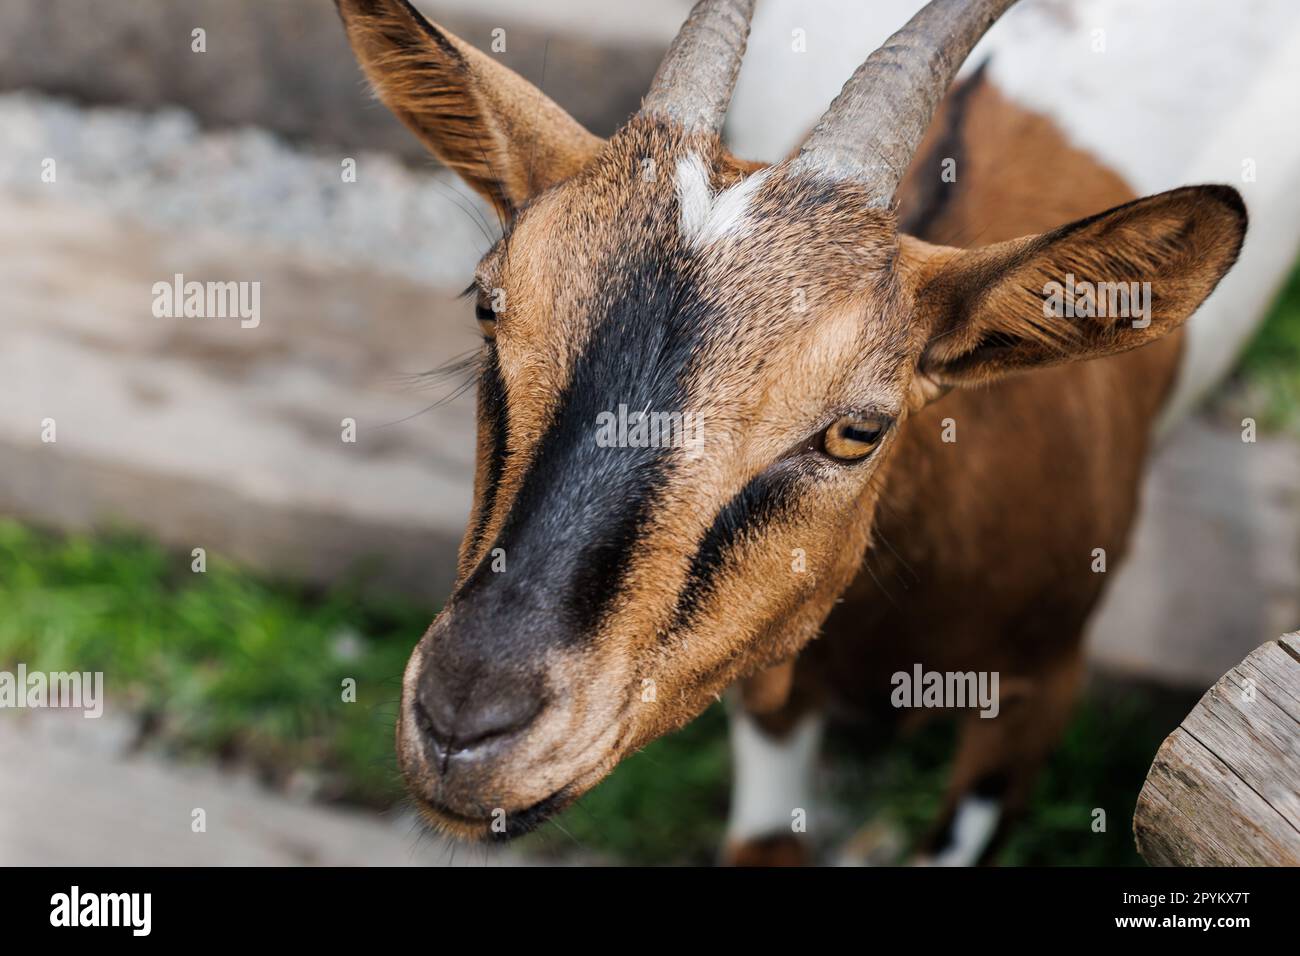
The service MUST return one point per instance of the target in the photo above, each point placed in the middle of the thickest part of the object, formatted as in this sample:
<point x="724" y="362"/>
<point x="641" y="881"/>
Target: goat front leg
<point x="776" y="735"/>
<point x="997" y="762"/>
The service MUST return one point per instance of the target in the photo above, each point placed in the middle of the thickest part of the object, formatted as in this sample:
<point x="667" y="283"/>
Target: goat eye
<point x="852" y="437"/>
<point x="487" y="319"/>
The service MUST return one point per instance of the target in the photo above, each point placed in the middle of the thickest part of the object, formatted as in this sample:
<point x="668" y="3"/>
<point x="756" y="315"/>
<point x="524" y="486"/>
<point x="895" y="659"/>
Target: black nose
<point x="467" y="719"/>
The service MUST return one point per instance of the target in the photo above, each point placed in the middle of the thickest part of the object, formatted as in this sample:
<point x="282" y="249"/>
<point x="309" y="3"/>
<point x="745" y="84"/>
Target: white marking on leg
<point x="771" y="776"/>
<point x="707" y="217"/>
<point x="971" y="829"/>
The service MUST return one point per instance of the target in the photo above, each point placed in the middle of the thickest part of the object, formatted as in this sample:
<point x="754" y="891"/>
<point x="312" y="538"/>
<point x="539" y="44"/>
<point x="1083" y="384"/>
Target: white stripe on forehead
<point x="707" y="217"/>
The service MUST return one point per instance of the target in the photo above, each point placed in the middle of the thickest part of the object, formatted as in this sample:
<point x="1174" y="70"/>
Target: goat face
<point x="694" y="372"/>
<point x="686" y="388"/>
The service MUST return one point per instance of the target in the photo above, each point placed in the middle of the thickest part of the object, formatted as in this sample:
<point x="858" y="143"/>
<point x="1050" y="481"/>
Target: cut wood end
<point x="1224" y="787"/>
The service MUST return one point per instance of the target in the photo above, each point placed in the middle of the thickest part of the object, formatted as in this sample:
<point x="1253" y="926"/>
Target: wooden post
<point x="1224" y="789"/>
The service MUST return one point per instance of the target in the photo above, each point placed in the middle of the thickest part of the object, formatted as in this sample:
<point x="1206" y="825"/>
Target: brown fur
<point x="971" y="555"/>
<point x="938" y="586"/>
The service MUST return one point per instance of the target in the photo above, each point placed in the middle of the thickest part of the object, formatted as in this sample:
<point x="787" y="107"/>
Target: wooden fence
<point x="1224" y="789"/>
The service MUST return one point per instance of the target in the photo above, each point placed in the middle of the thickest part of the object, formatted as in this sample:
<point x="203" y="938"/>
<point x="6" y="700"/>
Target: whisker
<point x="541" y="88"/>
<point x="474" y="216"/>
<point x="468" y="362"/>
<point x="470" y="208"/>
<point x="464" y="367"/>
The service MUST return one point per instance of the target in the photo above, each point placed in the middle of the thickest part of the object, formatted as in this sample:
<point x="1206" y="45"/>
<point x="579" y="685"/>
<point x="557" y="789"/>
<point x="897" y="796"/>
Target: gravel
<point x="162" y="169"/>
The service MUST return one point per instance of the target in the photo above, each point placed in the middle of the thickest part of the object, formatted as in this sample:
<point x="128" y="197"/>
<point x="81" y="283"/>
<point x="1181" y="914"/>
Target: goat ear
<point x="1098" y="286"/>
<point x="497" y="130"/>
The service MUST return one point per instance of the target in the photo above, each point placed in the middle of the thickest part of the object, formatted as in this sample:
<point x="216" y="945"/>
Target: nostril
<point x="438" y="742"/>
<point x="482" y="722"/>
<point x="424" y="720"/>
<point x="489" y="712"/>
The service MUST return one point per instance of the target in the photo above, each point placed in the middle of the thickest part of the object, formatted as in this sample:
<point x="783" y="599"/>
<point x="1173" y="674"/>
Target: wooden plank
<point x="1291" y="644"/>
<point x="1194" y="812"/>
<point x="1255" y="737"/>
<point x="1224" y="788"/>
<point x="1269" y="669"/>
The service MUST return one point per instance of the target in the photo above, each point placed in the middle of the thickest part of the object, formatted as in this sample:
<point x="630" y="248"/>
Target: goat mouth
<point x="472" y="828"/>
<point x="517" y="822"/>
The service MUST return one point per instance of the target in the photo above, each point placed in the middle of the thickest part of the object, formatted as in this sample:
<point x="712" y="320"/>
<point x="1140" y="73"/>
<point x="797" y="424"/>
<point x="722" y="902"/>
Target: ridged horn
<point x="872" y="129"/>
<point x="694" y="82"/>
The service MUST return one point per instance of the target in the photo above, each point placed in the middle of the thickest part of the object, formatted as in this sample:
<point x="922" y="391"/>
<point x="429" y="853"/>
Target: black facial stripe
<point x="575" y="522"/>
<point x="762" y="499"/>
<point x="492" y="411"/>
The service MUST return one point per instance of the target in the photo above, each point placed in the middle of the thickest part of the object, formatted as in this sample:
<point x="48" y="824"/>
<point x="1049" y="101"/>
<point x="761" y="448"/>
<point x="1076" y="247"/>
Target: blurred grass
<point x="668" y="804"/>
<point x="217" y="662"/>
<point x="1266" y="385"/>
<point x="1100" y="764"/>
<point x="225" y="663"/>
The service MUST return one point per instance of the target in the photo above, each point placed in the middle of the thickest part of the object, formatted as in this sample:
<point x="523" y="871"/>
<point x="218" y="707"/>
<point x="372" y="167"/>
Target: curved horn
<point x="694" y="82"/>
<point x="873" y="127"/>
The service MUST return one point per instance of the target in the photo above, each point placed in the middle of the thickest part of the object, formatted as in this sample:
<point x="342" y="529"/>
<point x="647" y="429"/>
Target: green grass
<point x="227" y="664"/>
<point x="666" y="804"/>
<point x="218" y="662"/>
<point x="1269" y="371"/>
<point x="1100" y="764"/>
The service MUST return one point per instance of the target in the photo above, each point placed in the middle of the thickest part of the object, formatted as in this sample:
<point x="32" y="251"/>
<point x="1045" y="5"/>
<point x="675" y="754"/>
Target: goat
<point x="878" y="405"/>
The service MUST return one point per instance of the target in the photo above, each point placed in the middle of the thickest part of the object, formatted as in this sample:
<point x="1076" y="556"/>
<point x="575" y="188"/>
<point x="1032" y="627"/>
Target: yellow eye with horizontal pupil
<point x="852" y="438"/>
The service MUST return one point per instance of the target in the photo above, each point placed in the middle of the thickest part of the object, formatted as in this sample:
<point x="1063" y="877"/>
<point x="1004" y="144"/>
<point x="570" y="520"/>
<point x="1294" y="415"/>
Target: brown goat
<point x="915" y="450"/>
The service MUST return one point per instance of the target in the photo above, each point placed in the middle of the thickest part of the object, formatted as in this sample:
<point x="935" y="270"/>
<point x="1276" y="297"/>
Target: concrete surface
<point x="285" y="65"/>
<point x="1214" y="569"/>
<point x="210" y="435"/>
<point x="72" y="795"/>
<point x="164" y="171"/>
